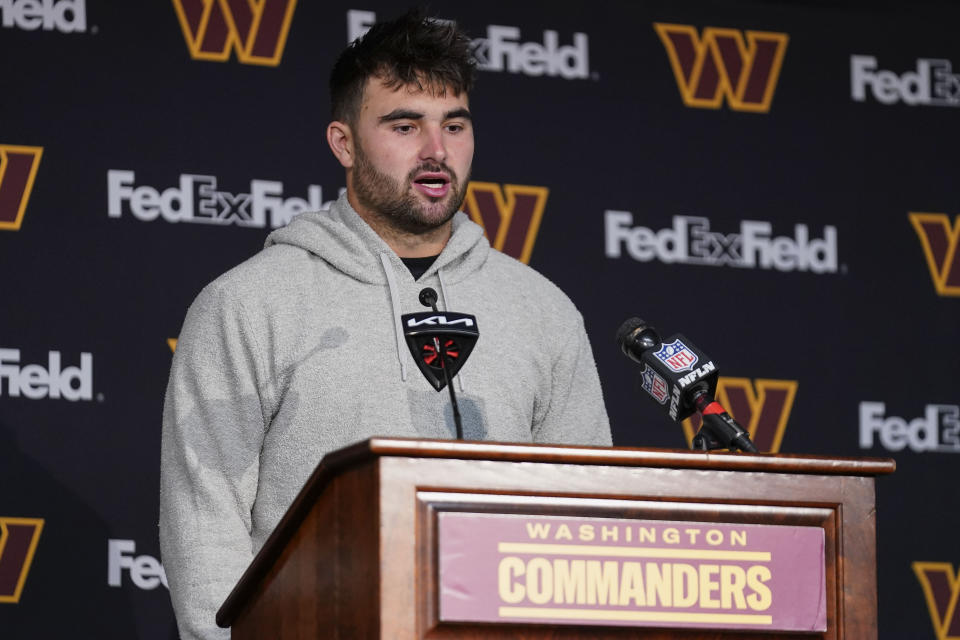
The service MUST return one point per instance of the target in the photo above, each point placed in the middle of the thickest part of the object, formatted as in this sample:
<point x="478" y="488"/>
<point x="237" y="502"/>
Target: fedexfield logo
<point x="510" y="215"/>
<point x="197" y="199"/>
<point x="18" y="170"/>
<point x="937" y="430"/>
<point x="256" y="29"/>
<point x="720" y="65"/>
<point x="762" y="406"/>
<point x="18" y="543"/>
<point x="502" y="50"/>
<point x="690" y="241"/>
<point x="940" y="241"/>
<point x="932" y="83"/>
<point x="941" y="589"/>
<point x="65" y="16"/>
<point x="34" y="381"/>
<point x="144" y="570"/>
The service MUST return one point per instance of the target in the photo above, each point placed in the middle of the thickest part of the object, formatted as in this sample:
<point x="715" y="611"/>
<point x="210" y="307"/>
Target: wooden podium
<point x="356" y="554"/>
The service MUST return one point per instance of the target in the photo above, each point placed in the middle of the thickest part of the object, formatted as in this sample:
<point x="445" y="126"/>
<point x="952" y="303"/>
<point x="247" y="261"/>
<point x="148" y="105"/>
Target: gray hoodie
<point x="299" y="351"/>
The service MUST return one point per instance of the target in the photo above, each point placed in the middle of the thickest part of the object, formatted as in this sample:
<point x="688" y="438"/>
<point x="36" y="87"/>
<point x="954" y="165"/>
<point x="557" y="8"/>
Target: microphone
<point x="440" y="343"/>
<point x="677" y="371"/>
<point x="428" y="298"/>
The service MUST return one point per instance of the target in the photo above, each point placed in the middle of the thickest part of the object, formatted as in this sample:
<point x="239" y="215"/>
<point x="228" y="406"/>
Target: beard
<point x="397" y="203"/>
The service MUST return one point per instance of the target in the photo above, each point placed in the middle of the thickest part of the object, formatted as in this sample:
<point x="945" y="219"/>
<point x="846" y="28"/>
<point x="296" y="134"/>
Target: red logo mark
<point x="941" y="588"/>
<point x="255" y="29"/>
<point x="18" y="542"/>
<point x="511" y="216"/>
<point x="18" y="169"/>
<point x="721" y="65"/>
<point x="940" y="241"/>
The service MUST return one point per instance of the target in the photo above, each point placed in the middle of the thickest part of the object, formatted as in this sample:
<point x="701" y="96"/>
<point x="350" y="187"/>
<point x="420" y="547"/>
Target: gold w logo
<point x="18" y="542"/>
<point x="511" y="216"/>
<point x="18" y="169"/>
<point x="721" y="65"/>
<point x="941" y="588"/>
<point x="255" y="29"/>
<point x="762" y="407"/>
<point x="940" y="242"/>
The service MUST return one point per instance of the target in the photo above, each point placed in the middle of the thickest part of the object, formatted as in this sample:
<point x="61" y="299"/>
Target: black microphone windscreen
<point x="428" y="297"/>
<point x="629" y="326"/>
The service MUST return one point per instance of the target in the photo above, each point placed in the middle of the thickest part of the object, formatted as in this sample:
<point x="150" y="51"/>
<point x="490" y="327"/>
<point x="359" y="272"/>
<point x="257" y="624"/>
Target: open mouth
<point x="432" y="180"/>
<point x="434" y="185"/>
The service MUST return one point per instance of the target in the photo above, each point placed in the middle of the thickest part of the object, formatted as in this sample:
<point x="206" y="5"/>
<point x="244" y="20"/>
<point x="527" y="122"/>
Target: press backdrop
<point x="776" y="180"/>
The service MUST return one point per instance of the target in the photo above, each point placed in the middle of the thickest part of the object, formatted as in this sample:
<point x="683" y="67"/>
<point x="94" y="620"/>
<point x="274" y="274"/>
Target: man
<point x="299" y="351"/>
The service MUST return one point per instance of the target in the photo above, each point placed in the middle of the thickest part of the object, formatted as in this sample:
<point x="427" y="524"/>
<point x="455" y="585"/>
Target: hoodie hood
<point x="344" y="240"/>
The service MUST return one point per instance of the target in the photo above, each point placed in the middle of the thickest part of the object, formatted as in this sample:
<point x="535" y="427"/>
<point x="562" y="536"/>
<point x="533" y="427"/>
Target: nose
<point x="433" y="147"/>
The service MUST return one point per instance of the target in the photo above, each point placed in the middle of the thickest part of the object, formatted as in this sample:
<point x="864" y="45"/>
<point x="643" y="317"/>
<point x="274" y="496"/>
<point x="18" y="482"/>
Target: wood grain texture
<point x="355" y="556"/>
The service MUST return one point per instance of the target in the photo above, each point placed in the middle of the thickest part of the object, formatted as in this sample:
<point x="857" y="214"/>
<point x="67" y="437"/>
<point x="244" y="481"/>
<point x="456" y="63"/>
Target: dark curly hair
<point x="411" y="50"/>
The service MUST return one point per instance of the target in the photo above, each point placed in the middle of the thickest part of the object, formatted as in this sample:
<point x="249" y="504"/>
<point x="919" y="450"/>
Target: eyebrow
<point x="409" y="114"/>
<point x="458" y="113"/>
<point x="401" y="114"/>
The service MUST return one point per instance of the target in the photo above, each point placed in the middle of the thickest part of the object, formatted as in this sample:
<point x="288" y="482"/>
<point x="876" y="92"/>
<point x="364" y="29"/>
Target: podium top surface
<point x="615" y="456"/>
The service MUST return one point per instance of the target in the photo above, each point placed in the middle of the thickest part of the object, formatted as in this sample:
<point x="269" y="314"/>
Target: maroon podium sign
<point x="622" y="572"/>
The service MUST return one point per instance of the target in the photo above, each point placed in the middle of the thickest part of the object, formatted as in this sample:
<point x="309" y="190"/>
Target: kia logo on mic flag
<point x="430" y="332"/>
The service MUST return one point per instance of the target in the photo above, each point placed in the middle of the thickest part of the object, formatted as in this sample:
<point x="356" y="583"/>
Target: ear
<point x="340" y="139"/>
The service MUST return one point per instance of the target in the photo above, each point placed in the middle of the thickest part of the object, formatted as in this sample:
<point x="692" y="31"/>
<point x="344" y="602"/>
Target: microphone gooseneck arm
<point x="719" y="429"/>
<point x="428" y="298"/>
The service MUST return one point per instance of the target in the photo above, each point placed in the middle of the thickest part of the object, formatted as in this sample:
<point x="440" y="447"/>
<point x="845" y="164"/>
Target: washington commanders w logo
<point x="941" y="588"/>
<point x="18" y="169"/>
<point x="18" y="542"/>
<point x="721" y="65"/>
<point x="940" y="242"/>
<point x="255" y="29"/>
<point x="762" y="407"/>
<point x="511" y="216"/>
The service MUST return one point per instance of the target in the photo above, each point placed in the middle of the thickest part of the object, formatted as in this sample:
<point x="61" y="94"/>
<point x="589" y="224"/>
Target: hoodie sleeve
<point x="576" y="413"/>
<point x="213" y="429"/>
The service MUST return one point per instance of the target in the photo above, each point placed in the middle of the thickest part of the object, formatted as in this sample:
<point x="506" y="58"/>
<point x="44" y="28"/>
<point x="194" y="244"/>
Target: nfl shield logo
<point x="677" y="356"/>
<point x="654" y="384"/>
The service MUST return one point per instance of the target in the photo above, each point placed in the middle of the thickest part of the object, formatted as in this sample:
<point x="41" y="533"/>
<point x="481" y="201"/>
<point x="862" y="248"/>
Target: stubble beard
<point x="397" y="204"/>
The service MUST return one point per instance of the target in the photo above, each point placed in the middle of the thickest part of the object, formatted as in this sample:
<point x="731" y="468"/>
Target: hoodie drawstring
<point x="446" y="305"/>
<point x="395" y="303"/>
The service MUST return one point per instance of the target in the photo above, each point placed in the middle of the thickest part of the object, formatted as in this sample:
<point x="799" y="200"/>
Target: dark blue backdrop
<point x="775" y="180"/>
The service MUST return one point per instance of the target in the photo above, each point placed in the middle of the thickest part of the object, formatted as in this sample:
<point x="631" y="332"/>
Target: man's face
<point x="413" y="150"/>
